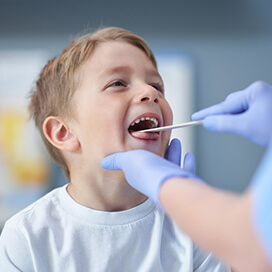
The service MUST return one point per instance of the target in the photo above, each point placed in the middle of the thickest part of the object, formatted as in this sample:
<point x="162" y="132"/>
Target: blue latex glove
<point x="146" y="171"/>
<point x="261" y="190"/>
<point x="247" y="113"/>
<point x="173" y="154"/>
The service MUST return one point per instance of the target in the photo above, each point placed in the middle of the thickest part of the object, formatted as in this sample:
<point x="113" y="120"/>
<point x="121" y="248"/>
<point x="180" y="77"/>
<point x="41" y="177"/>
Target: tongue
<point x="145" y="135"/>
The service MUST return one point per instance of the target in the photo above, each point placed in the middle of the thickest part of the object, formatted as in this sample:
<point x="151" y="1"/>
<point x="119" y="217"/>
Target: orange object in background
<point x="24" y="165"/>
<point x="25" y="160"/>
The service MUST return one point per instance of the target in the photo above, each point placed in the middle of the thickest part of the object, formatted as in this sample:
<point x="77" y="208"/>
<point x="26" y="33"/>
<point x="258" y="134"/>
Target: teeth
<point x="154" y="120"/>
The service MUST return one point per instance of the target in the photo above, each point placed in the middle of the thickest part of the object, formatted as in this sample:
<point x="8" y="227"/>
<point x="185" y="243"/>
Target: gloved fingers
<point x="235" y="103"/>
<point x="173" y="153"/>
<point x="257" y="88"/>
<point x="133" y="159"/>
<point x="112" y="162"/>
<point x="189" y="162"/>
<point x="236" y="124"/>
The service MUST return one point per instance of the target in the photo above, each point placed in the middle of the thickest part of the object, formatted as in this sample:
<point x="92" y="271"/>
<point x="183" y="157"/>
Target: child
<point x="90" y="102"/>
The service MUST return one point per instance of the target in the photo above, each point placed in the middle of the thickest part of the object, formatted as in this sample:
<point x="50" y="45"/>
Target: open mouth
<point x="144" y="122"/>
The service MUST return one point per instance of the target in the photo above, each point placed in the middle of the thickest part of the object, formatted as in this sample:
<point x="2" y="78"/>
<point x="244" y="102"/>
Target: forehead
<point x="115" y="56"/>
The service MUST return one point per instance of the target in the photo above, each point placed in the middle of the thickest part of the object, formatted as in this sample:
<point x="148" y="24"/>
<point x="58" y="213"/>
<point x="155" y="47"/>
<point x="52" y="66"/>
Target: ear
<point x="59" y="134"/>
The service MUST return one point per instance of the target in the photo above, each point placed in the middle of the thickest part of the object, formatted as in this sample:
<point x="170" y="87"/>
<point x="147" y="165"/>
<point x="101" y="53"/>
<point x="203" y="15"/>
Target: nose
<point x="148" y="94"/>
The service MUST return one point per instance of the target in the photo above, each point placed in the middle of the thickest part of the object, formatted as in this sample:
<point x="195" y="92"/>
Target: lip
<point x="153" y="136"/>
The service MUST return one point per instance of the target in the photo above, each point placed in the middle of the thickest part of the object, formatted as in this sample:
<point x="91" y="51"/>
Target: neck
<point x="105" y="194"/>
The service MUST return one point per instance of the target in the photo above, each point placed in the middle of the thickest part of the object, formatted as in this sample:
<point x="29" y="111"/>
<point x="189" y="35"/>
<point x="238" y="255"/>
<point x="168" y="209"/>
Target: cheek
<point x="168" y="120"/>
<point x="109" y="126"/>
<point x="99" y="126"/>
<point x="107" y="113"/>
<point x="167" y="114"/>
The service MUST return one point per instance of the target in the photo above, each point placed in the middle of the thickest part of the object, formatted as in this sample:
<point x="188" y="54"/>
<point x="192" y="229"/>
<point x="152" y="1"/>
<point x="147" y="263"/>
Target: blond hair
<point x="58" y="81"/>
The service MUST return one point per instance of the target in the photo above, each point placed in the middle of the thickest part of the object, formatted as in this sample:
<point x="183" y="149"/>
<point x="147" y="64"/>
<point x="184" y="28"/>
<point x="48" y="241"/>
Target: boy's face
<point x="119" y="86"/>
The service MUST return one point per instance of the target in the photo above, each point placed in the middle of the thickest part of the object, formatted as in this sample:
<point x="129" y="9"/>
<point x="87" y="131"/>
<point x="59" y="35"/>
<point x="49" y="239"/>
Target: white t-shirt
<point x="57" y="234"/>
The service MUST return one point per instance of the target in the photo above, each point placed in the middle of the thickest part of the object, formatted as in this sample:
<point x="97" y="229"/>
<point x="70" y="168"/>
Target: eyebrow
<point x="123" y="68"/>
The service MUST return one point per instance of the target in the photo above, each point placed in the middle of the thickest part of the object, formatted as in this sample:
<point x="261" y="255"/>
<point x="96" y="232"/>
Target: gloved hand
<point x="247" y="113"/>
<point x="173" y="154"/>
<point x="146" y="171"/>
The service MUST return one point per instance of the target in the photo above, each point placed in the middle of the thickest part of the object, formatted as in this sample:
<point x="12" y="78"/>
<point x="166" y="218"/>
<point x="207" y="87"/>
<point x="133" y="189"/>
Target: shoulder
<point x="36" y="213"/>
<point x="19" y="240"/>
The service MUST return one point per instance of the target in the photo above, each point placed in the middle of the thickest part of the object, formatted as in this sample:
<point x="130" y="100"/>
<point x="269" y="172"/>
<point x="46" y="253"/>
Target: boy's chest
<point x="131" y="247"/>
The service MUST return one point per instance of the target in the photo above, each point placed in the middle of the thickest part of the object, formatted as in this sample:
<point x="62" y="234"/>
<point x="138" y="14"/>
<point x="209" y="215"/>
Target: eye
<point x="158" y="86"/>
<point x="118" y="83"/>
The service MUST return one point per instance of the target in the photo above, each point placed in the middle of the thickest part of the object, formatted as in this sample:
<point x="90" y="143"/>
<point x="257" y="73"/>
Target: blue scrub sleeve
<point x="261" y="189"/>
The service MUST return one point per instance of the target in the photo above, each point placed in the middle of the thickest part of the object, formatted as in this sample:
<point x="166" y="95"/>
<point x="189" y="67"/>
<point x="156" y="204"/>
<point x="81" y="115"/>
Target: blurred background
<point x="215" y="47"/>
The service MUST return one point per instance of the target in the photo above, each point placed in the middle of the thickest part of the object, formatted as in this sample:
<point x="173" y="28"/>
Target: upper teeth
<point x="153" y="119"/>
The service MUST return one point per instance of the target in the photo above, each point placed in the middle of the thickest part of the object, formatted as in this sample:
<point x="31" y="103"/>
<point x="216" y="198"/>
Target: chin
<point x="160" y="152"/>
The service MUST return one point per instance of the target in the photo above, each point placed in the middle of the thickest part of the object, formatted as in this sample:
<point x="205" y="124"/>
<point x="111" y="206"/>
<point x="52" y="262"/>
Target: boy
<point x="90" y="102"/>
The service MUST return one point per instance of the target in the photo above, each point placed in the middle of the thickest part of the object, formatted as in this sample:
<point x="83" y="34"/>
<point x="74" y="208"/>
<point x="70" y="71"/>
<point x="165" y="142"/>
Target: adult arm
<point x="261" y="192"/>
<point x="216" y="220"/>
